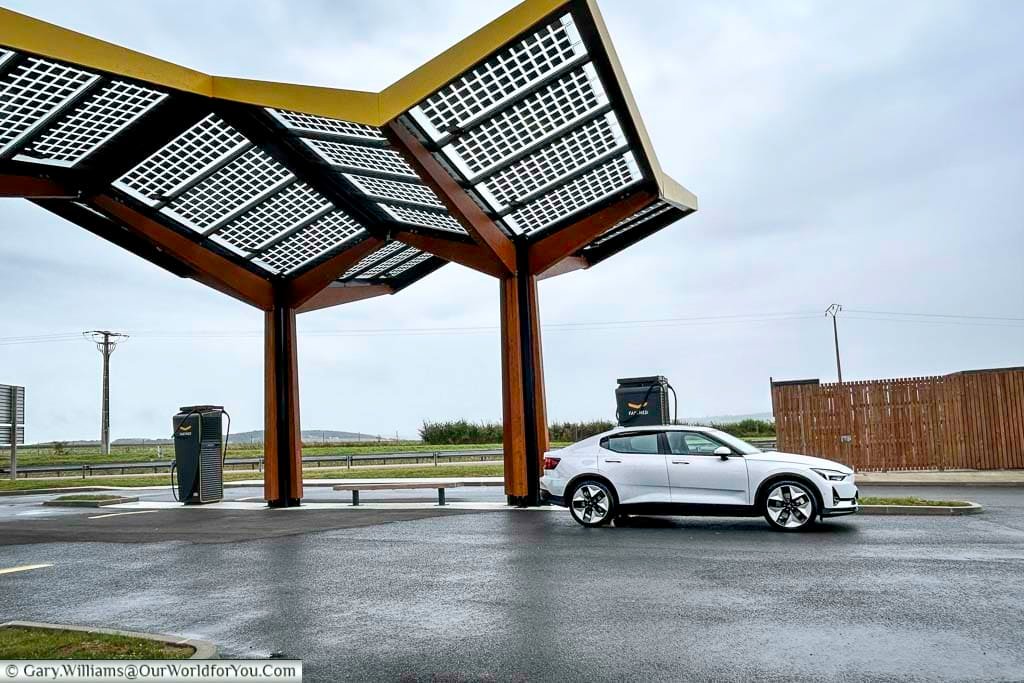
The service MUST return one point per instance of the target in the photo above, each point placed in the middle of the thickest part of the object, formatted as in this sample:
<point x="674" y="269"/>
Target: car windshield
<point x="737" y="444"/>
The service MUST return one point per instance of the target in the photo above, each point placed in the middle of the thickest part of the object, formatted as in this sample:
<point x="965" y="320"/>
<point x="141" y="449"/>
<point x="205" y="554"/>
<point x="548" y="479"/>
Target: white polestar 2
<point x="682" y="470"/>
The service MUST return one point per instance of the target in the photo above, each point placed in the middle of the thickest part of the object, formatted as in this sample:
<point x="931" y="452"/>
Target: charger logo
<point x="636" y="406"/>
<point x="185" y="429"/>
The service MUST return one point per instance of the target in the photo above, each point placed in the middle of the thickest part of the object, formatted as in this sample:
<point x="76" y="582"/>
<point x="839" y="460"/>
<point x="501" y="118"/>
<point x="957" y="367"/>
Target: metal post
<point x="14" y="433"/>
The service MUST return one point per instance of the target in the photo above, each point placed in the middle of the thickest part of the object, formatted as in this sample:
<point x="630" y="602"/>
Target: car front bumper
<point x="844" y="500"/>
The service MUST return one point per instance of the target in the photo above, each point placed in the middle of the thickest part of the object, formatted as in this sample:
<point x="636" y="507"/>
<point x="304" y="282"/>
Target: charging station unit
<point x="199" y="444"/>
<point x="641" y="401"/>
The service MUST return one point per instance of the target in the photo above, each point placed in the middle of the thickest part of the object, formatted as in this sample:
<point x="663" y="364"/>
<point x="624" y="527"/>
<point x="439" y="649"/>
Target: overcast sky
<point x="866" y="153"/>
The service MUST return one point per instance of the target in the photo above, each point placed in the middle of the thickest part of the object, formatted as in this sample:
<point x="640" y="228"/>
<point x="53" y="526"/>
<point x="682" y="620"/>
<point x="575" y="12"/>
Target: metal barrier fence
<point x="256" y="463"/>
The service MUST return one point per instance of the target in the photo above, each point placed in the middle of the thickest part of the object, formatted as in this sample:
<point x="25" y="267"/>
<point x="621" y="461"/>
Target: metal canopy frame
<point x="518" y="153"/>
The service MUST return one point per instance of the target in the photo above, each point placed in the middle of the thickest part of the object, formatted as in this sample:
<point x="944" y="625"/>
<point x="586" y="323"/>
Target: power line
<point x="935" y="315"/>
<point x="593" y="325"/>
<point x="917" y="321"/>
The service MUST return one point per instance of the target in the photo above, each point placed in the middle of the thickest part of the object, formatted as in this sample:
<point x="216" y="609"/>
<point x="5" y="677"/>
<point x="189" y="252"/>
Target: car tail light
<point x="551" y="463"/>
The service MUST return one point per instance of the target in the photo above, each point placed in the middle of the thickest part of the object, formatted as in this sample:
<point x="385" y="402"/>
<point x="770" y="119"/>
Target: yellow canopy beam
<point x="28" y="34"/>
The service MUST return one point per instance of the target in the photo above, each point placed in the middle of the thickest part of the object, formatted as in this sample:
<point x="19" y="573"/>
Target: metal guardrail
<point x="256" y="463"/>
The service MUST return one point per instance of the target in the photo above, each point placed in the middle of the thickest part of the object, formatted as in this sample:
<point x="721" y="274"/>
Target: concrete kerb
<point x="204" y="649"/>
<point x="970" y="509"/>
<point x="65" y="489"/>
<point x="959" y="478"/>
<point x="91" y="503"/>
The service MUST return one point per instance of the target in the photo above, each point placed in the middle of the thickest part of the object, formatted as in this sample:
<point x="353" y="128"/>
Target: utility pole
<point x="833" y="312"/>
<point x="106" y="342"/>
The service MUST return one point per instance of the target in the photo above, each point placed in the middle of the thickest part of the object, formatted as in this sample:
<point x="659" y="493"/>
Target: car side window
<point x="676" y="443"/>
<point x="695" y="444"/>
<point x="633" y="443"/>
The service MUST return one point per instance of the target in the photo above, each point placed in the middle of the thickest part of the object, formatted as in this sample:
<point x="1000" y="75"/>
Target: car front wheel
<point x="790" y="506"/>
<point x="592" y="503"/>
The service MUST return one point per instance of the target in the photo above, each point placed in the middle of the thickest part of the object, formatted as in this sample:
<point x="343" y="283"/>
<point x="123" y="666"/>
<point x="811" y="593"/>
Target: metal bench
<point x="355" y="488"/>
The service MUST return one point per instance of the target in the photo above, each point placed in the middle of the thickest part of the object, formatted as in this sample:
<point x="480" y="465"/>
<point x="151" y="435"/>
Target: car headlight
<point x="831" y="475"/>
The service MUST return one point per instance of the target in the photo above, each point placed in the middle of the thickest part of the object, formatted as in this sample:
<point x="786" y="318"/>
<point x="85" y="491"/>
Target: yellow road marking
<point x="23" y="568"/>
<point x="118" y="514"/>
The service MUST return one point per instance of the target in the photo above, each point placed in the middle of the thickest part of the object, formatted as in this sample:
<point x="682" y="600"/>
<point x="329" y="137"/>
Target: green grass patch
<point x="89" y="496"/>
<point x="911" y="500"/>
<point x="17" y="642"/>
<point x="457" y="470"/>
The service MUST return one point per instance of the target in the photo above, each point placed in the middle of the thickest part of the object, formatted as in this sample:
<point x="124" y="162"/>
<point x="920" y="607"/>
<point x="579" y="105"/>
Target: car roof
<point x="662" y="428"/>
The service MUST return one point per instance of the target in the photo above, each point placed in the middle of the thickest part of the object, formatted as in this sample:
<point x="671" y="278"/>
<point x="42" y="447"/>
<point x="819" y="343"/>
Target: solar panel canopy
<point x="530" y="121"/>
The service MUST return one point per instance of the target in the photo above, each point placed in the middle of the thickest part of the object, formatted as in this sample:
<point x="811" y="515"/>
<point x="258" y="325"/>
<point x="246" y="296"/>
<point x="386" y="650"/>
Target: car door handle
<point x="680" y="462"/>
<point x="609" y="460"/>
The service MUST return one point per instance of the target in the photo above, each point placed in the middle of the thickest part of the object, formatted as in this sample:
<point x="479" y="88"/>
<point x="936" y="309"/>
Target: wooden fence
<point x="966" y="420"/>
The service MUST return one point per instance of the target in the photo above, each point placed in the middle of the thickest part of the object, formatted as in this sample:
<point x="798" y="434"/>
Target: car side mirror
<point x="723" y="452"/>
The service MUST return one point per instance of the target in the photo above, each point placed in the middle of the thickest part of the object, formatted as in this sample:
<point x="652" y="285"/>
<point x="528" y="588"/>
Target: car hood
<point x="794" y="459"/>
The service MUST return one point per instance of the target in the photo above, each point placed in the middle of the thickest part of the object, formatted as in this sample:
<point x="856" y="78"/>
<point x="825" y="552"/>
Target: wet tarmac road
<point x="530" y="596"/>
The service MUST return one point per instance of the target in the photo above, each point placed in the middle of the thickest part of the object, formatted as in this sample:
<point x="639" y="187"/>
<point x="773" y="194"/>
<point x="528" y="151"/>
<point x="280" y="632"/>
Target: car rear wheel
<point x="592" y="503"/>
<point x="790" y="506"/>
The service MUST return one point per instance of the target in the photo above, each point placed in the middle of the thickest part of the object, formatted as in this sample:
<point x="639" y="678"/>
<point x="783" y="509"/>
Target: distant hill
<point x="312" y="436"/>
<point x="729" y="419"/>
<point x="308" y="436"/>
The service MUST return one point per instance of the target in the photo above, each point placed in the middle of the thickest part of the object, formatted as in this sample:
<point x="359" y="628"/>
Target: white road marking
<point x="118" y="514"/>
<point x="23" y="568"/>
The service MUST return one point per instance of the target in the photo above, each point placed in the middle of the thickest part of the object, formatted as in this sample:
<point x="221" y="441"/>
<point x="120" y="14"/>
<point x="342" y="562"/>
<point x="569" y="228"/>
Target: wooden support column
<point x="537" y="389"/>
<point x="282" y="443"/>
<point x="523" y="396"/>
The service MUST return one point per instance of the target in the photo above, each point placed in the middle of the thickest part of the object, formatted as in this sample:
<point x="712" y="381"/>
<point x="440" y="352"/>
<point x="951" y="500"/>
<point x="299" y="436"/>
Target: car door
<point x="636" y="467"/>
<point x="697" y="475"/>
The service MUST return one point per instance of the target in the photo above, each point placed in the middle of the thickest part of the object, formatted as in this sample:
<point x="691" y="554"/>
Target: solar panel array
<point x="374" y="171"/>
<point x="211" y="179"/>
<point x="532" y="131"/>
<point x="639" y="218"/>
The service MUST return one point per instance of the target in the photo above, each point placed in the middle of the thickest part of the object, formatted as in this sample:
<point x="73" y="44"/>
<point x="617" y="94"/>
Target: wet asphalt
<point x="530" y="596"/>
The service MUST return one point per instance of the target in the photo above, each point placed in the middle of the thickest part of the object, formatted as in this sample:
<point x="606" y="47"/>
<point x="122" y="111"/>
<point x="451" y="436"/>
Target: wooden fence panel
<point x="967" y="420"/>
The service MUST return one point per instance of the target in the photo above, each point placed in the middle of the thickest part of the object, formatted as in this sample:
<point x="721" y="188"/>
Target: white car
<point x="682" y="470"/>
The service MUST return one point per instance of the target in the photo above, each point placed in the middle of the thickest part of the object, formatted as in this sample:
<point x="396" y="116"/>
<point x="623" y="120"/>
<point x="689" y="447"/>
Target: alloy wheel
<point x="790" y="506"/>
<point x="591" y="504"/>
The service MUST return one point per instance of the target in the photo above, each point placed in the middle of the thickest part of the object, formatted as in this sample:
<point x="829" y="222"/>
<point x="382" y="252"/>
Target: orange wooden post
<point x="282" y="444"/>
<point x="539" y="392"/>
<point x="523" y="396"/>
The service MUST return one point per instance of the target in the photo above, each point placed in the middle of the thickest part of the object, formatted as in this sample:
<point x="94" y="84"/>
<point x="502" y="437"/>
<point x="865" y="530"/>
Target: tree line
<point x="450" y="432"/>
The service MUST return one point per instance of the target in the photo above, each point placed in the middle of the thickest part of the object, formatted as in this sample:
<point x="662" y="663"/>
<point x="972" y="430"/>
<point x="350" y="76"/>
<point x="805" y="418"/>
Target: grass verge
<point x="911" y="500"/>
<point x="17" y="642"/>
<point x="456" y="470"/>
